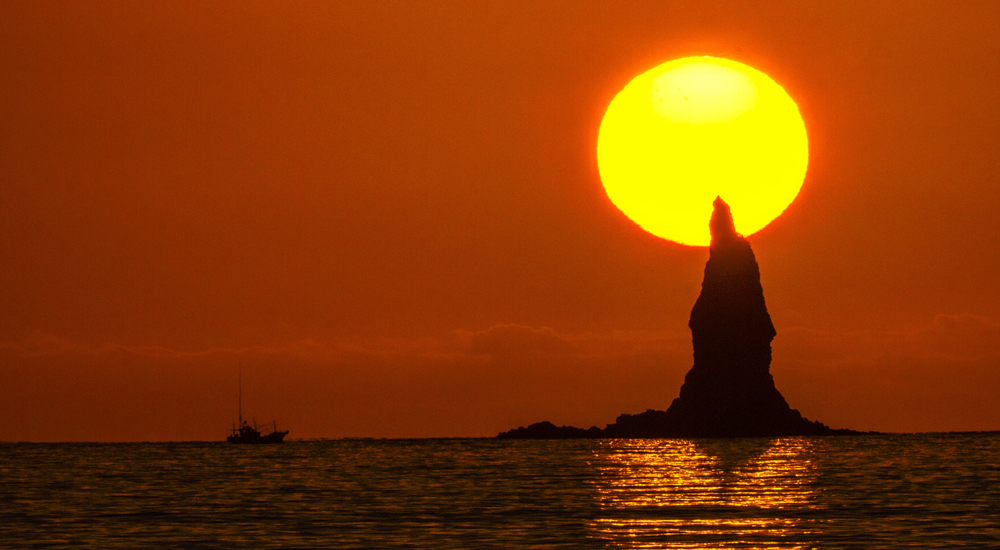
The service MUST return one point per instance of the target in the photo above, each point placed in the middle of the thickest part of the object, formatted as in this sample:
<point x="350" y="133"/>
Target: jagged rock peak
<point x="729" y="391"/>
<point x="721" y="225"/>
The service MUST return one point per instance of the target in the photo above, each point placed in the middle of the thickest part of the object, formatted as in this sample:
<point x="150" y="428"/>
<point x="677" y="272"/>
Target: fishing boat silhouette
<point x="247" y="433"/>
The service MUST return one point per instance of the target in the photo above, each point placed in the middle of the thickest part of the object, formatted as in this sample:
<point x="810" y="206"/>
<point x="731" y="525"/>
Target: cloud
<point x="941" y="375"/>
<point x="464" y="383"/>
<point x="502" y="340"/>
<point x="963" y="337"/>
<point x="947" y="338"/>
<point x="48" y="345"/>
<point x="515" y="340"/>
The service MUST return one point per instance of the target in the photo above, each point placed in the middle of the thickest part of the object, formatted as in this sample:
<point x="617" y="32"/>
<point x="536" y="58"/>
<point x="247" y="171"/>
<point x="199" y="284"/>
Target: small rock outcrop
<point x="729" y="392"/>
<point x="548" y="430"/>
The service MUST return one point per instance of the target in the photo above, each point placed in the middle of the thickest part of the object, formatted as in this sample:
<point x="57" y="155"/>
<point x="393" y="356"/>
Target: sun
<point x="695" y="128"/>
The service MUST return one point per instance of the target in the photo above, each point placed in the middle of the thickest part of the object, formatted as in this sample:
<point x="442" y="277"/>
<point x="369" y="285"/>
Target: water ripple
<point x="937" y="490"/>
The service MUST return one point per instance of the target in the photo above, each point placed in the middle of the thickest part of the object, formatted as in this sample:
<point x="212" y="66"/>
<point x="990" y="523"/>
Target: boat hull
<point x="273" y="437"/>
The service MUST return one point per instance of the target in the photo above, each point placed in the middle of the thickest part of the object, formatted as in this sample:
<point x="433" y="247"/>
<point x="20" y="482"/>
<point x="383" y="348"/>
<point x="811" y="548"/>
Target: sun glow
<point x="695" y="128"/>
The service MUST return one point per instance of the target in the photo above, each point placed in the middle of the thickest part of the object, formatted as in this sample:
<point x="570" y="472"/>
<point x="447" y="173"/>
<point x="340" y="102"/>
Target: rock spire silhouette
<point x="729" y="392"/>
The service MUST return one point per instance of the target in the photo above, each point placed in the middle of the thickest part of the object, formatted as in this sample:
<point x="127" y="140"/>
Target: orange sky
<point x="391" y="214"/>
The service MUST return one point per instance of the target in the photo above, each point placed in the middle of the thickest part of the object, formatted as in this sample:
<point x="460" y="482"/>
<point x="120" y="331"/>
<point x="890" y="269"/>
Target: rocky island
<point x="729" y="392"/>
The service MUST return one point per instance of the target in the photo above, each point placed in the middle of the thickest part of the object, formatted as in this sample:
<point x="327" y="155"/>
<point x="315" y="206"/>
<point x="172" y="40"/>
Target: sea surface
<point x="889" y="491"/>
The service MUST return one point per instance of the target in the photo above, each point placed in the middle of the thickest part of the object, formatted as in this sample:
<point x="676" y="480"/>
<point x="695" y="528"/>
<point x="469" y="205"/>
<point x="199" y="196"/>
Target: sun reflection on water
<point x="706" y="493"/>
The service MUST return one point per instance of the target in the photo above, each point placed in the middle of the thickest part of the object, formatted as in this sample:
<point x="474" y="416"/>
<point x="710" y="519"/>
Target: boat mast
<point x="241" y="392"/>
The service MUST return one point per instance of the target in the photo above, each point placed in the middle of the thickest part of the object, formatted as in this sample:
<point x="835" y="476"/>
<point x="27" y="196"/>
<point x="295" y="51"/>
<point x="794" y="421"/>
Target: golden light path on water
<point x="686" y="492"/>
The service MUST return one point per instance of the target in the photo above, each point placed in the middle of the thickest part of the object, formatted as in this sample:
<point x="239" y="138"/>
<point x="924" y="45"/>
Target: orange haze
<point x="390" y="213"/>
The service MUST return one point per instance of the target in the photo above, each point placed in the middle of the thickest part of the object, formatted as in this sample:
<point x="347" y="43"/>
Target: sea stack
<point x="729" y="392"/>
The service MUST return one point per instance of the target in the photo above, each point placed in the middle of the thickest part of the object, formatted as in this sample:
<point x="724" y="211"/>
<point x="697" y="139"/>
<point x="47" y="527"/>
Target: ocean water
<point x="927" y="490"/>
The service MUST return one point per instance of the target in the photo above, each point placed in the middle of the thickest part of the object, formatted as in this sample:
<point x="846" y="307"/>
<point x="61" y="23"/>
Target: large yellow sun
<point x="695" y="128"/>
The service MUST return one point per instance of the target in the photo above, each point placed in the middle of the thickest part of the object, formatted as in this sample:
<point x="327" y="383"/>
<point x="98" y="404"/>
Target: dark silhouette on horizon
<point x="729" y="392"/>
<point x="246" y="434"/>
